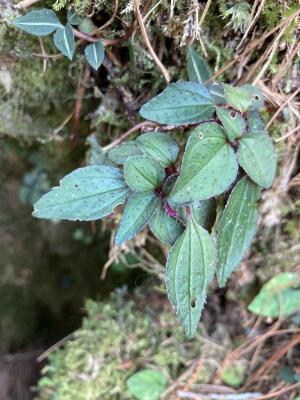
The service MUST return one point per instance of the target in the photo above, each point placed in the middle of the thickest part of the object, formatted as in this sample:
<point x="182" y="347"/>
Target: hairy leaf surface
<point x="143" y="173"/>
<point x="38" y="22"/>
<point x="233" y="123"/>
<point x="64" y="41"/>
<point x="121" y="153"/>
<point x="209" y="165"/>
<point x="85" y="194"/>
<point x="256" y="155"/>
<point x="94" y="54"/>
<point x="198" y="70"/>
<point x="159" y="146"/>
<point x="179" y="103"/>
<point x="255" y="121"/>
<point x="189" y="270"/>
<point x="138" y="210"/>
<point x="237" y="227"/>
<point x="164" y="227"/>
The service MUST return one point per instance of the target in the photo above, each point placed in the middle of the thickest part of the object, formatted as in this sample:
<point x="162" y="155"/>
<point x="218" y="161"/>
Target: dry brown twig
<point x="25" y="4"/>
<point x="157" y="61"/>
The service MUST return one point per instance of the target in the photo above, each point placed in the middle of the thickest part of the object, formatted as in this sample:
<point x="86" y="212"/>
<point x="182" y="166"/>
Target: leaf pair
<point x="44" y="22"/>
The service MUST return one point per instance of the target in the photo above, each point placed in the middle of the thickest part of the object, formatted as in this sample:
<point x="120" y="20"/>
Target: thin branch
<point x="25" y="4"/>
<point x="157" y="61"/>
<point x="282" y="107"/>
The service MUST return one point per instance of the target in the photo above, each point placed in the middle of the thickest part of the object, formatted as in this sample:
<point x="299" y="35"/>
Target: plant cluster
<point x="44" y="22"/>
<point x="228" y="158"/>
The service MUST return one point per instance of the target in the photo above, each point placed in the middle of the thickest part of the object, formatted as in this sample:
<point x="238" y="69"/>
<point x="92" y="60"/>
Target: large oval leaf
<point x="237" y="227"/>
<point x="159" y="146"/>
<point x="209" y="165"/>
<point x="143" y="174"/>
<point x="179" y="103"/>
<point x="164" y="227"/>
<point x="197" y="68"/>
<point x="38" y="22"/>
<point x="189" y="270"/>
<point x="121" y="153"/>
<point x="279" y="297"/>
<point x="233" y="123"/>
<point x="64" y="41"/>
<point x="256" y="156"/>
<point x="138" y="210"/>
<point x="85" y="194"/>
<point x="94" y="54"/>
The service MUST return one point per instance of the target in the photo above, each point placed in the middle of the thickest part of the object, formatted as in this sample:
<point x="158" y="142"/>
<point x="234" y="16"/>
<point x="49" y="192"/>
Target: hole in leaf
<point x="193" y="303"/>
<point x="201" y="135"/>
<point x="256" y="97"/>
<point x="233" y="114"/>
<point x="76" y="185"/>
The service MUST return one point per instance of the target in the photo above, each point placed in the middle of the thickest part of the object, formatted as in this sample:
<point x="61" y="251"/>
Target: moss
<point x="116" y="339"/>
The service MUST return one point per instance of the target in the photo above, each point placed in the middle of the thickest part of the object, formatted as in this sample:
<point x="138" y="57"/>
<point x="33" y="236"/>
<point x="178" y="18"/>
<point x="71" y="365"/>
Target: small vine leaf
<point x="38" y="22"/>
<point x="85" y="194"/>
<point x="244" y="97"/>
<point x="217" y="92"/>
<point x="236" y="228"/>
<point x="256" y="98"/>
<point x="143" y="174"/>
<point x="73" y="18"/>
<point x="189" y="270"/>
<point x="121" y="153"/>
<point x="64" y="41"/>
<point x="138" y="210"/>
<point x="198" y="70"/>
<point x="179" y="103"/>
<point x="278" y="297"/>
<point x="256" y="155"/>
<point x="203" y="212"/>
<point x="159" y="146"/>
<point x="94" y="54"/>
<point x="233" y="123"/>
<point x="208" y="168"/>
<point x="164" y="227"/>
<point x="255" y="121"/>
<point x="237" y="98"/>
<point x="147" y="384"/>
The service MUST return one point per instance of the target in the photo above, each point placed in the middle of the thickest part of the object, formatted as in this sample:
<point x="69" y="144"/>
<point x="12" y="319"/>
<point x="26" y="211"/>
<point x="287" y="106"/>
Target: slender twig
<point x="282" y="107"/>
<point x="205" y="11"/>
<point x="157" y="61"/>
<point x="288" y="134"/>
<point x="85" y="37"/>
<point x="25" y="4"/>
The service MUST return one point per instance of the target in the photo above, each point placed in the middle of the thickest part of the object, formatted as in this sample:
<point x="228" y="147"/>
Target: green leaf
<point x="279" y="297"/>
<point x="189" y="270"/>
<point x="143" y="174"/>
<point x="256" y="156"/>
<point x="255" y="121"/>
<point x="217" y="92"/>
<point x="147" y="384"/>
<point x="203" y="212"/>
<point x="236" y="228"/>
<point x="85" y="194"/>
<point x="234" y="374"/>
<point x="119" y="154"/>
<point x="159" y="146"/>
<point x="38" y="22"/>
<point x="138" y="210"/>
<point x="198" y="70"/>
<point x="209" y="165"/>
<point x="64" y="41"/>
<point x="244" y="97"/>
<point x="164" y="227"/>
<point x="94" y="54"/>
<point x="73" y="18"/>
<point x="179" y="103"/>
<point x="256" y="98"/>
<point x="233" y="123"/>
